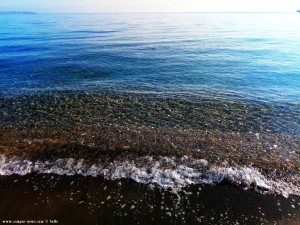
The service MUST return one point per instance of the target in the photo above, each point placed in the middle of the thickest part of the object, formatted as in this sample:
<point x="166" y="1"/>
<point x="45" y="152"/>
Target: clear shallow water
<point x="96" y="94"/>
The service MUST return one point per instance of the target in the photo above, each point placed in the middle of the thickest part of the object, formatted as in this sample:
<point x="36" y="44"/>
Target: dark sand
<point x="93" y="200"/>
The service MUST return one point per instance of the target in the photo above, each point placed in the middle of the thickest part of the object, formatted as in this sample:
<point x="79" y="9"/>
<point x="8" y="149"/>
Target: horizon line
<point x="119" y="12"/>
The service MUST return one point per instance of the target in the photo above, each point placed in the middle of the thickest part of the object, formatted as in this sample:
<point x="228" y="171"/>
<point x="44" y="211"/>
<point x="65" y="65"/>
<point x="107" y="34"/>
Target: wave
<point x="164" y="172"/>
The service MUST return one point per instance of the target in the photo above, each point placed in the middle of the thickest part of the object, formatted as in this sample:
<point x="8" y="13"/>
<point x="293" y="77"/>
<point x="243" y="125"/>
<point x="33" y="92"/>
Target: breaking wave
<point x="164" y="172"/>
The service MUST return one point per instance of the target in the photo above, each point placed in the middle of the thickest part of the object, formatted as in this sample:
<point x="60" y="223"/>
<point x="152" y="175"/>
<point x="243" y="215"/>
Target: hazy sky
<point x="151" y="5"/>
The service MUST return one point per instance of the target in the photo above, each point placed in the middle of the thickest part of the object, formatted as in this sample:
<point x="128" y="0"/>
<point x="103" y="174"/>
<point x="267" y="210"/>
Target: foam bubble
<point x="165" y="172"/>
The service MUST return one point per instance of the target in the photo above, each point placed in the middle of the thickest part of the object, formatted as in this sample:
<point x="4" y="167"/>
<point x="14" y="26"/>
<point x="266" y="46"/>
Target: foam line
<point x="166" y="172"/>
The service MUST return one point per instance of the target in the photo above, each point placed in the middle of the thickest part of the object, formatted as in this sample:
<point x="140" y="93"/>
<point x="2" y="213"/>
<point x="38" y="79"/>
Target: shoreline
<point x="94" y="200"/>
<point x="161" y="172"/>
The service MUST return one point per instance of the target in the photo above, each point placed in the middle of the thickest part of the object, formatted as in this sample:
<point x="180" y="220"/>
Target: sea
<point x="165" y="101"/>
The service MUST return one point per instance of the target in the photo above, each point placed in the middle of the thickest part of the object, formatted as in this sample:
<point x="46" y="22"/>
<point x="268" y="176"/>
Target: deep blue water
<point x="235" y="56"/>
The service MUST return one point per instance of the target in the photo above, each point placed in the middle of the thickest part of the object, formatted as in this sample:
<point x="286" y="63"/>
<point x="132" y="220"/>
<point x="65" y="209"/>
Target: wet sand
<point x="93" y="200"/>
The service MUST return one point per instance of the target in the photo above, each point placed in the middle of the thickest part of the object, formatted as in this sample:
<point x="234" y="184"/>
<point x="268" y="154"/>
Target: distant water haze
<point x="93" y="6"/>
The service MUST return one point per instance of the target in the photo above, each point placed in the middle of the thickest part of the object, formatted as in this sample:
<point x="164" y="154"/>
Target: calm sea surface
<point x="235" y="56"/>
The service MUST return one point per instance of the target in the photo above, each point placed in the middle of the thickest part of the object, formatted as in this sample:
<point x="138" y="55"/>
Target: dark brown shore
<point x="93" y="200"/>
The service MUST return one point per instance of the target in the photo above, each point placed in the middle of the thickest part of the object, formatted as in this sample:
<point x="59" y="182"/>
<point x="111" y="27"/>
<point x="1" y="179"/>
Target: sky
<point x="107" y="6"/>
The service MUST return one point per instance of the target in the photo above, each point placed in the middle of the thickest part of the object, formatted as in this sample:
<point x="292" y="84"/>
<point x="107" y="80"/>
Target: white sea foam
<point x="166" y="172"/>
